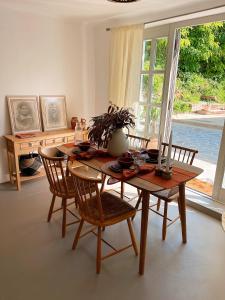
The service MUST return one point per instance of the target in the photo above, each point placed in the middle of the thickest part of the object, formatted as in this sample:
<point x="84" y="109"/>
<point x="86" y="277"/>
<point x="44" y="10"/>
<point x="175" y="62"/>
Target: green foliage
<point x="161" y="48"/>
<point x="202" y="50"/>
<point x="181" y="107"/>
<point x="190" y="87"/>
<point x="201" y="70"/>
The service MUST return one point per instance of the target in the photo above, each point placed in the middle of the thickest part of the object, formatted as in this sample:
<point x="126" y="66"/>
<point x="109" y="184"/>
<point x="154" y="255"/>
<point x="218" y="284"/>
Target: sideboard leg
<point x="17" y="169"/>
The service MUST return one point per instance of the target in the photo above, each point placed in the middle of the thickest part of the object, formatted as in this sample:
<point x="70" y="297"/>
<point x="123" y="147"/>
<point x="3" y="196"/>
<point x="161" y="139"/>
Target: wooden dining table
<point x="147" y="187"/>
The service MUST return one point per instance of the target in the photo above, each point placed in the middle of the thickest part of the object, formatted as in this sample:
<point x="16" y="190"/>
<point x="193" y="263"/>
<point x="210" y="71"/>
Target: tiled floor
<point x="35" y="263"/>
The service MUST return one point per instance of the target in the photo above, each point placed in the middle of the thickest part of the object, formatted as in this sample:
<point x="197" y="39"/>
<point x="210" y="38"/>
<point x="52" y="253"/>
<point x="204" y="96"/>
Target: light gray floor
<point x="35" y="263"/>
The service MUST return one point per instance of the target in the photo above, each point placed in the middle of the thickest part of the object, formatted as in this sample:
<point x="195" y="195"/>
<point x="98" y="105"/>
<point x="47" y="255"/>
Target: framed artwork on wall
<point x="24" y="114"/>
<point x="53" y="110"/>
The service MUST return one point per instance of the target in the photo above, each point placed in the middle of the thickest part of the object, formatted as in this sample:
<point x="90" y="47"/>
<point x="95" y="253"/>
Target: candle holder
<point x="158" y="171"/>
<point x="166" y="174"/>
<point x="162" y="172"/>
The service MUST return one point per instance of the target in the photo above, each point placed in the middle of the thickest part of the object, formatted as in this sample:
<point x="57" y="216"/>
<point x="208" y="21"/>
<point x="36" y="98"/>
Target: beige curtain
<point x="125" y="64"/>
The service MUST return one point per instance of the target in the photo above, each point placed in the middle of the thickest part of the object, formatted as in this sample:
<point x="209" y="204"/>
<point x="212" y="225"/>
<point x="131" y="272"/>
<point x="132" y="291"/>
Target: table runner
<point x="179" y="176"/>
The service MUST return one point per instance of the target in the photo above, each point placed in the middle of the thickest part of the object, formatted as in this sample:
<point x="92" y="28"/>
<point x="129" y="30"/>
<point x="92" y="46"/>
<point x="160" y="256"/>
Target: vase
<point x="118" y="143"/>
<point x="74" y="121"/>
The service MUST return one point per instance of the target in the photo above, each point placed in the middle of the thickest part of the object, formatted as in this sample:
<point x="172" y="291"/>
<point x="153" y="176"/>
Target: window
<point x="151" y="87"/>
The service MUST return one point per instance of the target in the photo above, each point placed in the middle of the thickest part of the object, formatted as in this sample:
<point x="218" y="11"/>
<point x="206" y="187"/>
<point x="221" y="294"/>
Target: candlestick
<point x="169" y="153"/>
<point x="159" y="155"/>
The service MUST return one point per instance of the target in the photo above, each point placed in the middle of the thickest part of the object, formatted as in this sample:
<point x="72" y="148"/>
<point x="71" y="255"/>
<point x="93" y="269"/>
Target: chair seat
<point x="114" y="210"/>
<point x="62" y="192"/>
<point x="168" y="195"/>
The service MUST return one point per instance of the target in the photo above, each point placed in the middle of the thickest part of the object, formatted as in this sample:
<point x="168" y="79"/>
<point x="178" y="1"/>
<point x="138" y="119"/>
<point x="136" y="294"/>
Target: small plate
<point x="155" y="161"/>
<point x="116" y="168"/>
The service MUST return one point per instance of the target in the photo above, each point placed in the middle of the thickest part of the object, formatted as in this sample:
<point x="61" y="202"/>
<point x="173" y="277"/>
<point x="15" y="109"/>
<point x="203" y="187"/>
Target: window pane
<point x="161" y="47"/>
<point x="141" y="119"/>
<point x="154" y="117"/>
<point x="146" y="55"/>
<point x="144" y="89"/>
<point x="157" y="88"/>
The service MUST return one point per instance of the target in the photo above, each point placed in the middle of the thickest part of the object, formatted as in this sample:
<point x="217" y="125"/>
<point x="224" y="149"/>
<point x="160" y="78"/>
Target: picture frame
<point x="53" y="109"/>
<point x="24" y="112"/>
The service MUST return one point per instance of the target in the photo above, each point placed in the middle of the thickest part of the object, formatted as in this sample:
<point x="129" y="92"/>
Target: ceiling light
<point x="123" y="1"/>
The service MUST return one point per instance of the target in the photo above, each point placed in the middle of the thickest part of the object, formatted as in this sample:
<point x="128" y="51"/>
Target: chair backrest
<point x="54" y="168"/>
<point x="86" y="182"/>
<point x="137" y="142"/>
<point x="180" y="153"/>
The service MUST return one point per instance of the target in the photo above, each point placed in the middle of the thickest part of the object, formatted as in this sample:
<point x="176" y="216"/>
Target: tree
<point x="202" y="50"/>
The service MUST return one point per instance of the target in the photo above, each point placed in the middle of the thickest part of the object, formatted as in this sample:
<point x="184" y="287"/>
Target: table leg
<point x="182" y="205"/>
<point x="144" y="230"/>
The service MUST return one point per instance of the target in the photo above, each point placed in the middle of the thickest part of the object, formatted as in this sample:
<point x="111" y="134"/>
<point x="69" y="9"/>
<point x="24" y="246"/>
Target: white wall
<point x="102" y="51"/>
<point x="39" y="55"/>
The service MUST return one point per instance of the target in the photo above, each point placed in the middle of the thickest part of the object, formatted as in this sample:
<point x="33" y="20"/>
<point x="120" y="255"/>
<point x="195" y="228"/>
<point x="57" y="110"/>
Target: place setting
<point x="133" y="163"/>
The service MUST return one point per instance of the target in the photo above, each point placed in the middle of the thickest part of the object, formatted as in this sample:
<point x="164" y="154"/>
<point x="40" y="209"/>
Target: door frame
<point x="218" y="190"/>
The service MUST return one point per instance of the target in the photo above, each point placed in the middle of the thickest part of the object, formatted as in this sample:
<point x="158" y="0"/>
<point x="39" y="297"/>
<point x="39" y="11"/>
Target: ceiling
<point x="97" y="10"/>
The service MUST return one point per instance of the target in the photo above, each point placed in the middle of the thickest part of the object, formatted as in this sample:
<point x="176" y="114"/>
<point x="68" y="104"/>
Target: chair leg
<point x="103" y="183"/>
<point x="99" y="251"/>
<point x="64" y="203"/>
<point x="164" y="221"/>
<point x="77" y="234"/>
<point x="76" y="202"/>
<point x="139" y="192"/>
<point x="138" y="203"/>
<point x="132" y="236"/>
<point x="51" y="208"/>
<point x="122" y="190"/>
<point x="158" y="204"/>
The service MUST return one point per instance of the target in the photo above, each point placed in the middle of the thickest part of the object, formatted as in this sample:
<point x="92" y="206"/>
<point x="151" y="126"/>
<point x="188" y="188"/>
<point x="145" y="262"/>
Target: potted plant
<point x="106" y="130"/>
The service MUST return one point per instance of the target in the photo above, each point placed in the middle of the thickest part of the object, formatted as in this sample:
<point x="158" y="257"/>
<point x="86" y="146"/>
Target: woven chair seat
<point x="168" y="195"/>
<point x="114" y="209"/>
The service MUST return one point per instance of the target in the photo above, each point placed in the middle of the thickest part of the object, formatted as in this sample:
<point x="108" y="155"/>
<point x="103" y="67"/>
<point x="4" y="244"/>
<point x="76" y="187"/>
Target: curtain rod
<point x="182" y="15"/>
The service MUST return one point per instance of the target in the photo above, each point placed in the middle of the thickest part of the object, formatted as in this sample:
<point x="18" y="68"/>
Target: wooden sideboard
<point x="17" y="146"/>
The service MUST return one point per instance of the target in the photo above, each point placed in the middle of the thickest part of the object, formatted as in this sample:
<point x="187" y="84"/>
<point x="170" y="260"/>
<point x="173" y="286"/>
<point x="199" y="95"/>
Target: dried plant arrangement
<point x="103" y="126"/>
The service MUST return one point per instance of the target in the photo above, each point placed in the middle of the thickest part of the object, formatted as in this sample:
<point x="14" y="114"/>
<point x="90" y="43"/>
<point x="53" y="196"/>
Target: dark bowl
<point x="153" y="153"/>
<point x="29" y="164"/>
<point x="126" y="162"/>
<point x="84" y="146"/>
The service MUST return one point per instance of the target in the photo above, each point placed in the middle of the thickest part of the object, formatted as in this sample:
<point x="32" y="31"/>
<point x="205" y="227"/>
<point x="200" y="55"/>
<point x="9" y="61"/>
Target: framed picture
<point x="53" y="110"/>
<point x="24" y="114"/>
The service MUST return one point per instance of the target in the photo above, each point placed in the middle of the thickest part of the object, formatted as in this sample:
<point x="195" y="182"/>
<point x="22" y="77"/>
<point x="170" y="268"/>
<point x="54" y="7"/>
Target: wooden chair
<point x="60" y="184"/>
<point x="135" y="143"/>
<point x="99" y="209"/>
<point x="182" y="154"/>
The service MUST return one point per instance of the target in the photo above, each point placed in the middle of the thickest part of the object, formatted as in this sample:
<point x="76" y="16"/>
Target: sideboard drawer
<point x="60" y="140"/>
<point x="49" y="142"/>
<point x="29" y="145"/>
<point x="70" y="139"/>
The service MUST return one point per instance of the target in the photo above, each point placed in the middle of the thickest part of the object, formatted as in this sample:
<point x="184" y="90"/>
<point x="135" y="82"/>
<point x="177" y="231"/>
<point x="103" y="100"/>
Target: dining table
<point x="148" y="184"/>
